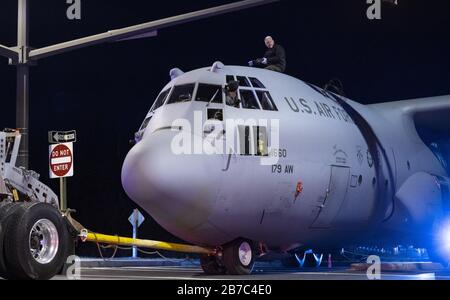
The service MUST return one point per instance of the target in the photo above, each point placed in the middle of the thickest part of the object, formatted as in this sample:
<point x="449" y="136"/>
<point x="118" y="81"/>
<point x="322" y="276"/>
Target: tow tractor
<point x="36" y="236"/>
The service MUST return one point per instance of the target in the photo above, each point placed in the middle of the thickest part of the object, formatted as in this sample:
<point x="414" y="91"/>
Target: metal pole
<point x="63" y="193"/>
<point x="135" y="226"/>
<point x="23" y="87"/>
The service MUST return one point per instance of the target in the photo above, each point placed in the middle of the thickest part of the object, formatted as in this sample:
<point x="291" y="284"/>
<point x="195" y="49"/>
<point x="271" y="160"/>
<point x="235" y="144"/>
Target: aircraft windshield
<point x="266" y="100"/>
<point x="249" y="100"/>
<point x="209" y="93"/>
<point x="160" y="100"/>
<point x="181" y="93"/>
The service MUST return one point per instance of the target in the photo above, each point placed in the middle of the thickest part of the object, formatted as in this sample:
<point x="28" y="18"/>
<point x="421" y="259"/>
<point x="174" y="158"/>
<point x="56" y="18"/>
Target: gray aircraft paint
<point x="349" y="186"/>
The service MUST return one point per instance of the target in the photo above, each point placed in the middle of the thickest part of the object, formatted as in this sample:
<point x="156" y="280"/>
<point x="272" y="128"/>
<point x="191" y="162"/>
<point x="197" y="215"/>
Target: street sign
<point x="57" y="137"/>
<point x="136" y="218"/>
<point x="61" y="160"/>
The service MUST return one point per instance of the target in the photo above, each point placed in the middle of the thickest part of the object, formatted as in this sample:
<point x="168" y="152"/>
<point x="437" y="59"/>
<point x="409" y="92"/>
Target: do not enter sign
<point x="61" y="160"/>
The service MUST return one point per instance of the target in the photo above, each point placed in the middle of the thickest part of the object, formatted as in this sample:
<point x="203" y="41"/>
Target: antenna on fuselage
<point x="174" y="73"/>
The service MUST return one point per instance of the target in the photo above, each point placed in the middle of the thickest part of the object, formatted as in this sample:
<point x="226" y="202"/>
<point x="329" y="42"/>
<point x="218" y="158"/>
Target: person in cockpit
<point x="231" y="94"/>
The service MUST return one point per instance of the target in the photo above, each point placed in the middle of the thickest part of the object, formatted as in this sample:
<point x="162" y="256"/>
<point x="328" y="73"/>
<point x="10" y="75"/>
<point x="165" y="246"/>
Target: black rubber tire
<point x="231" y="259"/>
<point x="71" y="249"/>
<point x="6" y="211"/>
<point x="211" y="266"/>
<point x="21" y="265"/>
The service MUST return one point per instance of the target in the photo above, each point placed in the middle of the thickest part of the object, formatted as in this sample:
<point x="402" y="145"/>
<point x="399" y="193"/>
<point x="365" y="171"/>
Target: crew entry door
<point x="334" y="198"/>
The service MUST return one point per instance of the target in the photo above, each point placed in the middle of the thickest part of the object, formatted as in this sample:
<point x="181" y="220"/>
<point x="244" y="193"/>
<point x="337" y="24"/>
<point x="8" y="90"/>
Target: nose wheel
<point x="238" y="257"/>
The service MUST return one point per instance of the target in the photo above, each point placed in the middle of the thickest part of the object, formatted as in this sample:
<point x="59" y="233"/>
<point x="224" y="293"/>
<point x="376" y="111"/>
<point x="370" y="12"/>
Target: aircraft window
<point x="262" y="141"/>
<point x="160" y="100"/>
<point x="145" y="124"/>
<point x="256" y="83"/>
<point x="215" y="114"/>
<point x="245" y="140"/>
<point x="249" y="100"/>
<point x="243" y="81"/>
<point x="266" y="101"/>
<point x="230" y="78"/>
<point x="181" y="93"/>
<point x="208" y="92"/>
<point x="253" y="140"/>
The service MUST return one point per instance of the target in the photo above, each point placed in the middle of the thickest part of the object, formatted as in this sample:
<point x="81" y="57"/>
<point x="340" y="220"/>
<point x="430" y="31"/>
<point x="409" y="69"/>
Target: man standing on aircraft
<point x="274" y="59"/>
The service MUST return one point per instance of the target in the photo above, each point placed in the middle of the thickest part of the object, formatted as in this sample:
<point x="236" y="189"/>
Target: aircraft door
<point x="335" y="196"/>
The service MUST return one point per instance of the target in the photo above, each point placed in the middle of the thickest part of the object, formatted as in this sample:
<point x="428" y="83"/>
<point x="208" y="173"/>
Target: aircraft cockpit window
<point x="230" y="78"/>
<point x="145" y="123"/>
<point x="256" y="83"/>
<point x="181" y="93"/>
<point x="248" y="99"/>
<point x="160" y="100"/>
<point x="266" y="101"/>
<point x="243" y="81"/>
<point x="209" y="93"/>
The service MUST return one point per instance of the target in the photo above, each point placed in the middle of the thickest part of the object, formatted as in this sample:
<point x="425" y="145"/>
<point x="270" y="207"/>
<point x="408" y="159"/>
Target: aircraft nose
<point x="178" y="191"/>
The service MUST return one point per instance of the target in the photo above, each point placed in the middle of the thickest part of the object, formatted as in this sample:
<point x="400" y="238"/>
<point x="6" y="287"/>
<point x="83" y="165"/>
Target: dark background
<point x="104" y="92"/>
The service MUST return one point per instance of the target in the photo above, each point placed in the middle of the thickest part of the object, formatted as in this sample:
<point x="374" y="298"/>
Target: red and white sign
<point x="61" y="160"/>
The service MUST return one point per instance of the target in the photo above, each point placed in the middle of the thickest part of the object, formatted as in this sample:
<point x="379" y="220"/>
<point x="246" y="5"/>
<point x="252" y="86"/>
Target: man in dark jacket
<point x="274" y="59"/>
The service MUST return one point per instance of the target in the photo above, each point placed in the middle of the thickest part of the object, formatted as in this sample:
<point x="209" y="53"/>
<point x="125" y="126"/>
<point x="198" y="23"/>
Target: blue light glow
<point x="445" y="238"/>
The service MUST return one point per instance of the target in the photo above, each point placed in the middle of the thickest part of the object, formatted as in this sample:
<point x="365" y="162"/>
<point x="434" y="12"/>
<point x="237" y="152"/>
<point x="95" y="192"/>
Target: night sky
<point x="105" y="91"/>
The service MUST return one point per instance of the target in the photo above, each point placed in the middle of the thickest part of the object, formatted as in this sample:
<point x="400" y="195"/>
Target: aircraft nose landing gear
<point x="236" y="258"/>
<point x="239" y="257"/>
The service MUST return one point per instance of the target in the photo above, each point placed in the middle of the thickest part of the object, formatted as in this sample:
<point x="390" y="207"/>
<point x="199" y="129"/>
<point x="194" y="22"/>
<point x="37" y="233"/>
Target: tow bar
<point x="87" y="236"/>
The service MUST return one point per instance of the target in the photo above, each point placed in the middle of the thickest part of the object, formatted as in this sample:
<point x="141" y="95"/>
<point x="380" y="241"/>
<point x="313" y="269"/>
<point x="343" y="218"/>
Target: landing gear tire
<point x="6" y="211"/>
<point x="211" y="265"/>
<point x="239" y="258"/>
<point x="37" y="242"/>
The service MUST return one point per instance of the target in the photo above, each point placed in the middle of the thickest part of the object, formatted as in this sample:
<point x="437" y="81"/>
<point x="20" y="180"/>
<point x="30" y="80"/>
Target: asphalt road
<point x="259" y="273"/>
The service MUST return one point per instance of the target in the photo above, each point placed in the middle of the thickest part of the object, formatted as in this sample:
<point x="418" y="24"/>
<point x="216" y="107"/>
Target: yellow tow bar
<point x="87" y="236"/>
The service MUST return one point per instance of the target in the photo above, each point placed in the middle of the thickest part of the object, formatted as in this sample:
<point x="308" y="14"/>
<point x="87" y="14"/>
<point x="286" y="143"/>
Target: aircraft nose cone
<point x="177" y="190"/>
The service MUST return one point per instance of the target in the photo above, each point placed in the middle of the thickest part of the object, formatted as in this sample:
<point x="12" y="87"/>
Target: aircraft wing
<point x="431" y="113"/>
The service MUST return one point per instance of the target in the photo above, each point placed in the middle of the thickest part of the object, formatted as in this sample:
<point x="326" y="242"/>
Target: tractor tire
<point x="37" y="242"/>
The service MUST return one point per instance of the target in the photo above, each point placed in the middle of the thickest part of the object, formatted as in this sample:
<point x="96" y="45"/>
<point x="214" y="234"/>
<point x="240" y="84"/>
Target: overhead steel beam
<point x="129" y="32"/>
<point x="9" y="53"/>
<point x="23" y="82"/>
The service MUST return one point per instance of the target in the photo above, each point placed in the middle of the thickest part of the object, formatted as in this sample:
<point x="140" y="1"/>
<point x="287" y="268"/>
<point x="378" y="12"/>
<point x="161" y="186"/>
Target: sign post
<point x="136" y="219"/>
<point x="61" y="161"/>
